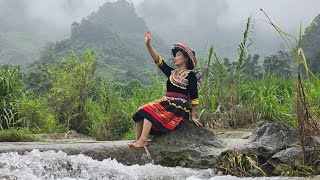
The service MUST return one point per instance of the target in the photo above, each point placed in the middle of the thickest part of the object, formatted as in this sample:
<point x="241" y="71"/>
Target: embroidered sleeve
<point x="192" y="88"/>
<point x="164" y="66"/>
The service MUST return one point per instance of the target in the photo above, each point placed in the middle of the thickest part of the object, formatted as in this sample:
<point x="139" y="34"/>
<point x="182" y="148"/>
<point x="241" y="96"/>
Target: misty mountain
<point x="116" y="33"/>
<point x="311" y="47"/>
<point x="27" y="25"/>
<point x="312" y="44"/>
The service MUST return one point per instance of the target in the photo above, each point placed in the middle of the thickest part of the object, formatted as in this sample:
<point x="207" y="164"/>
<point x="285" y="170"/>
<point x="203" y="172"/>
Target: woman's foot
<point x="138" y="144"/>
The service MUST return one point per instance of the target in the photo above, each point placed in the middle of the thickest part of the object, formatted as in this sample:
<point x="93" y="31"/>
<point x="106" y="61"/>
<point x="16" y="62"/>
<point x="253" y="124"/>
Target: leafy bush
<point x="36" y="116"/>
<point x="72" y="81"/>
<point x="10" y="90"/>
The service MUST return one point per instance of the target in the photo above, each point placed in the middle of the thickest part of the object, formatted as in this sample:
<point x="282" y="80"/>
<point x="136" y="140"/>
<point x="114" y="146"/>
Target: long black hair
<point x="190" y="65"/>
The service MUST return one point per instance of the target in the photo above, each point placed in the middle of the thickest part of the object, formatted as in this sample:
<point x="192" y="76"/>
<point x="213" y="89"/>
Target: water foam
<point x="58" y="165"/>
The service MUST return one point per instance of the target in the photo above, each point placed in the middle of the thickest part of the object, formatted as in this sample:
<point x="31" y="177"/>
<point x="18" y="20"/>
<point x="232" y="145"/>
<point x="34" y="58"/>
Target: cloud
<point x="222" y="22"/>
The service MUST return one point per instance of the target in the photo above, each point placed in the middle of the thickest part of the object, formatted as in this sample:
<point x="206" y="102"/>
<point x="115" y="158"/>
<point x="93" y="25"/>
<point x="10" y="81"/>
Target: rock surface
<point x="189" y="146"/>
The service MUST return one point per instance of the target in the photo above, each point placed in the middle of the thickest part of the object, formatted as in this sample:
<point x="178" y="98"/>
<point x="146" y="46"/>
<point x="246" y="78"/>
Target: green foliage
<point x="219" y="90"/>
<point x="99" y="121"/>
<point x="238" y="164"/>
<point x="37" y="116"/>
<point x="16" y="136"/>
<point x="278" y="65"/>
<point x="10" y="83"/>
<point x="295" y="170"/>
<point x="110" y="114"/>
<point x="251" y="68"/>
<point x="312" y="41"/>
<point x="130" y="135"/>
<point x="10" y="90"/>
<point x="37" y="79"/>
<point x="243" y="47"/>
<point x="312" y="87"/>
<point x="272" y="97"/>
<point x="315" y="63"/>
<point x="72" y="80"/>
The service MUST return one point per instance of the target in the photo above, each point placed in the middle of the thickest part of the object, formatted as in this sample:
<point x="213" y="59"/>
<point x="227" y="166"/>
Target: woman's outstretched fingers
<point x="196" y="121"/>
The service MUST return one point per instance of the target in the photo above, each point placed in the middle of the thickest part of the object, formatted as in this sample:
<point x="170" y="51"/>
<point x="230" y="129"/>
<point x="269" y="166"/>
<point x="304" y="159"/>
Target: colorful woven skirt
<point x="166" y="113"/>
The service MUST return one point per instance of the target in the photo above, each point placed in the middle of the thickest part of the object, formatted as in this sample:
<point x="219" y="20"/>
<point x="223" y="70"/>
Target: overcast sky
<point x="220" y="22"/>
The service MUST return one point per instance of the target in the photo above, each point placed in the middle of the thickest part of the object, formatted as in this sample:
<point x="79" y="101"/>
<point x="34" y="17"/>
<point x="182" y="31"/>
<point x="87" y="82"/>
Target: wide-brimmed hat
<point x="180" y="46"/>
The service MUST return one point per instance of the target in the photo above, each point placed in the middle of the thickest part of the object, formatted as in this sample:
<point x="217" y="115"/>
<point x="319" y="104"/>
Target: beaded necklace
<point x="179" y="78"/>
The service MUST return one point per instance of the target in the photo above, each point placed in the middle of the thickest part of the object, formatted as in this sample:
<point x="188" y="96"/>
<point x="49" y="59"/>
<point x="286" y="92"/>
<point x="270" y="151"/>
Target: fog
<point x="222" y="22"/>
<point x="195" y="22"/>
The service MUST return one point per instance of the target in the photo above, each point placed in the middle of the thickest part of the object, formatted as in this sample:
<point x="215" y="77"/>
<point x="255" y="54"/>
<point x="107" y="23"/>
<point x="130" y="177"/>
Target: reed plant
<point x="10" y="89"/>
<point x="305" y="121"/>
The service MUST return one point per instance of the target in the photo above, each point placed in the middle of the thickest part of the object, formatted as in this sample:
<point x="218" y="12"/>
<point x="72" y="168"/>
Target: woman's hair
<point x="190" y="65"/>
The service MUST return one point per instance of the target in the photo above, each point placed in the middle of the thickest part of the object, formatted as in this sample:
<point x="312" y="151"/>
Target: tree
<point x="72" y="81"/>
<point x="278" y="65"/>
<point x="251" y="66"/>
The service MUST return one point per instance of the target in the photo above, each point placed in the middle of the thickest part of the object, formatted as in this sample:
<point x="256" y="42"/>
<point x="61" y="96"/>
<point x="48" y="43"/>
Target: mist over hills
<point x="116" y="33"/>
<point x="27" y="25"/>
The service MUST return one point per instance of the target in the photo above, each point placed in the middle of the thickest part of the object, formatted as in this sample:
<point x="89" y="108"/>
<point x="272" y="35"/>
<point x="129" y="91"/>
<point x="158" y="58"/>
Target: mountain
<point x="312" y="44"/>
<point x="117" y="34"/>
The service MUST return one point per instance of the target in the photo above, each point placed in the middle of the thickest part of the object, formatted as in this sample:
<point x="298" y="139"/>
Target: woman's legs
<point x="139" y="127"/>
<point x="143" y="139"/>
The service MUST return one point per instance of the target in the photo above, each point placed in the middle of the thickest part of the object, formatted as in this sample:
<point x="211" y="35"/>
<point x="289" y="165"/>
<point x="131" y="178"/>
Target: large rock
<point x="187" y="146"/>
<point x="269" y="138"/>
<point x="292" y="156"/>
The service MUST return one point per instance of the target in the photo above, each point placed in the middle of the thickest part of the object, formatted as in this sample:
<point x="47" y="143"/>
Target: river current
<point x="36" y="165"/>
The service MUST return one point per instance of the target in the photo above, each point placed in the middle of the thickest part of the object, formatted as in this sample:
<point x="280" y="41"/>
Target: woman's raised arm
<point x="152" y="52"/>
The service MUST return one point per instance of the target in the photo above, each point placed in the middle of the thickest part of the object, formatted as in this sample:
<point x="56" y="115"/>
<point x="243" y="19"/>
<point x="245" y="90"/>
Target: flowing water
<point x="58" y="165"/>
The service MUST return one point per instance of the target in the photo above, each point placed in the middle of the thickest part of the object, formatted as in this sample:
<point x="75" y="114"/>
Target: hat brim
<point x="182" y="47"/>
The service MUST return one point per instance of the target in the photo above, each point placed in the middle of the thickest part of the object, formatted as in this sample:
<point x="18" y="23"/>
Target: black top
<point x="191" y="91"/>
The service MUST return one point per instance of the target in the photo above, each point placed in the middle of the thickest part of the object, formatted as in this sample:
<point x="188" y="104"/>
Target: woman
<point x="163" y="115"/>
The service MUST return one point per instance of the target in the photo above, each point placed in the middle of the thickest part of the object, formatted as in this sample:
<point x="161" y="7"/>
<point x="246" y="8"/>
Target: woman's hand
<point x="196" y="121"/>
<point x="147" y="37"/>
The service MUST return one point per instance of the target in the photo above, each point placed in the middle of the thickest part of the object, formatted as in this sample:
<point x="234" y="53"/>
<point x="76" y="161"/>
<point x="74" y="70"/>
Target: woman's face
<point x="180" y="60"/>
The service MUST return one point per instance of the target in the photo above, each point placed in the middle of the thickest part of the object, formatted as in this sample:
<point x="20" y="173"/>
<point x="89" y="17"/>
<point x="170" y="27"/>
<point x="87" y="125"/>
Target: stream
<point x="59" y="165"/>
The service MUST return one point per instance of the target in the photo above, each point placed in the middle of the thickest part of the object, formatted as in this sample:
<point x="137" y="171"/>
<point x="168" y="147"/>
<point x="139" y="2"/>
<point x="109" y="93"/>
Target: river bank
<point x="273" y="144"/>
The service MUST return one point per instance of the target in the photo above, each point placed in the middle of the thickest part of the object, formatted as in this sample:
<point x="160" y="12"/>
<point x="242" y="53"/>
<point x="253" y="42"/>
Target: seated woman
<point x="180" y="100"/>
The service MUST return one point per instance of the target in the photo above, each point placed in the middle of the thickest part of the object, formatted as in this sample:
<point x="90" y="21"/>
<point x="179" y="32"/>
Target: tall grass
<point x="306" y="123"/>
<point x="272" y="97"/>
<point x="76" y="98"/>
<point x="10" y="90"/>
<point x="219" y="103"/>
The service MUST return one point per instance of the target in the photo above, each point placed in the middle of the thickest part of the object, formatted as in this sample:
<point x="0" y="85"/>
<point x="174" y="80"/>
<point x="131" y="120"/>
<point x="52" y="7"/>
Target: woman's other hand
<point x="147" y="37"/>
<point x="196" y="121"/>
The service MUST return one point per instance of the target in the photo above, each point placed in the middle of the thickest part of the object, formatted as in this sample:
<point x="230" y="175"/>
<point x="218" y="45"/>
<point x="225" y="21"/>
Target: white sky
<point x="285" y="13"/>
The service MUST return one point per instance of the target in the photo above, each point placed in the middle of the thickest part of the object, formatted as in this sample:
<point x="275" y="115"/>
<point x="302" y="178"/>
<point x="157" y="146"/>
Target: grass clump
<point x="17" y="136"/>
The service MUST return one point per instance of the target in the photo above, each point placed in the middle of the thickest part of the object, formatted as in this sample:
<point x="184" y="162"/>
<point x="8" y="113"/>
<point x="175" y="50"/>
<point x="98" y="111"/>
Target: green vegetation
<point x="17" y="136"/>
<point x="238" y="164"/>
<point x="71" y="94"/>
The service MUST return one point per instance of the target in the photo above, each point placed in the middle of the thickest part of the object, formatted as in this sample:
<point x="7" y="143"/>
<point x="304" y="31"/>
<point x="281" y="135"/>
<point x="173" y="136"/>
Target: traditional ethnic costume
<point x="166" y="113"/>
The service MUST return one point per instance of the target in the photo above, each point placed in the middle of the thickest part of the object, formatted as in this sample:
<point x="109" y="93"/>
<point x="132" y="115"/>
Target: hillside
<point x="117" y="34"/>
<point x="312" y="44"/>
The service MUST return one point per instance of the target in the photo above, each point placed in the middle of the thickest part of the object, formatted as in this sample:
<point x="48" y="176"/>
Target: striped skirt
<point x="165" y="113"/>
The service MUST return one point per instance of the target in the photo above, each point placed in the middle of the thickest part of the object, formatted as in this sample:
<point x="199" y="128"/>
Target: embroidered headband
<point x="180" y="46"/>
